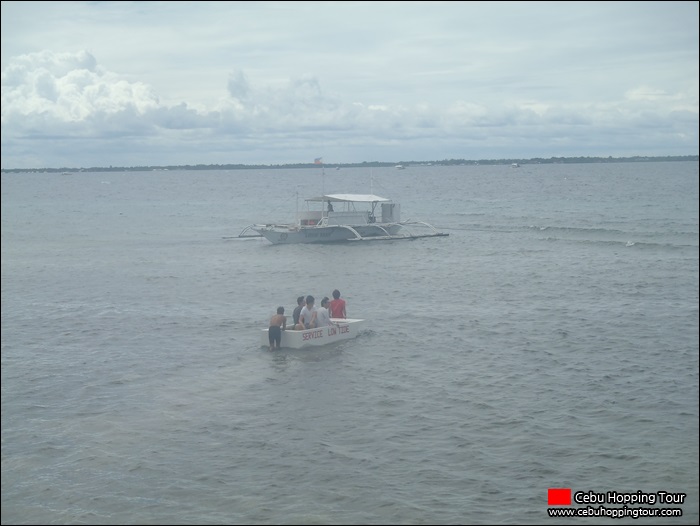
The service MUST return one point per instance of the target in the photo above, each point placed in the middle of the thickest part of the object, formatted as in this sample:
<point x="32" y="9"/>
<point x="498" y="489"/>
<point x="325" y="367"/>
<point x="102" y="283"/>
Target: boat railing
<point x="348" y="218"/>
<point x="310" y="217"/>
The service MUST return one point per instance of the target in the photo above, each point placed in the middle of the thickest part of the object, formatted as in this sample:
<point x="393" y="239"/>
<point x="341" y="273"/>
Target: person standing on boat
<point x="278" y="323"/>
<point x="297" y="312"/>
<point x="323" y="318"/>
<point x="337" y="306"/>
<point x="307" y="317"/>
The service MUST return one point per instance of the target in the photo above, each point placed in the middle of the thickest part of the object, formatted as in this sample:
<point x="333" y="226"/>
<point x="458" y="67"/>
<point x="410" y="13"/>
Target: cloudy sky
<point x="89" y="84"/>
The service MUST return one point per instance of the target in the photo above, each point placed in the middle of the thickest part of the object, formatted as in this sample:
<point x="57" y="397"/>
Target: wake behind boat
<point x="360" y="217"/>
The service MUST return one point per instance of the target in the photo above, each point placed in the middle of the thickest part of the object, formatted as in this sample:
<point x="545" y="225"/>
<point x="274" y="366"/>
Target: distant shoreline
<point x="364" y="164"/>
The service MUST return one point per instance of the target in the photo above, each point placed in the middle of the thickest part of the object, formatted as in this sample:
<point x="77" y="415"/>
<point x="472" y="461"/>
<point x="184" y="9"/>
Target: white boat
<point x="342" y="329"/>
<point x="344" y="217"/>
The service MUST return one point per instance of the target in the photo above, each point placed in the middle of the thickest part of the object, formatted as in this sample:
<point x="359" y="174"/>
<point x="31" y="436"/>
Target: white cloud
<point x="275" y="82"/>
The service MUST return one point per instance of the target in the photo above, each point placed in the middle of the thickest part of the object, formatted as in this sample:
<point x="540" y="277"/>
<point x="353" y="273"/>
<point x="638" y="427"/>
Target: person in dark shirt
<point x="297" y="311"/>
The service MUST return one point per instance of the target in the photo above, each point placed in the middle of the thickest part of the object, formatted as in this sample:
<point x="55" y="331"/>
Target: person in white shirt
<point x="307" y="317"/>
<point x="323" y="317"/>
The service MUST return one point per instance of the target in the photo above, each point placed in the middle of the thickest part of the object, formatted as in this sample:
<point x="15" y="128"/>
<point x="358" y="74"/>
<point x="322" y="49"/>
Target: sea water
<point x="550" y="341"/>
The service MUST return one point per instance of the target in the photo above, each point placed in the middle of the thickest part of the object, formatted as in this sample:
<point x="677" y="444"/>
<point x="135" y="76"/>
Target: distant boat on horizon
<point x="400" y="167"/>
<point x="515" y="165"/>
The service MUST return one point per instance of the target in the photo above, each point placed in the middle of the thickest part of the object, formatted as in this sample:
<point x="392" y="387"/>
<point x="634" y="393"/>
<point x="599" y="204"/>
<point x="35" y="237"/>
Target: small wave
<point x="627" y="243"/>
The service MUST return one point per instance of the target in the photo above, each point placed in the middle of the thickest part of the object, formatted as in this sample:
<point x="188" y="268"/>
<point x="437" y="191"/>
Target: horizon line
<point x="314" y="164"/>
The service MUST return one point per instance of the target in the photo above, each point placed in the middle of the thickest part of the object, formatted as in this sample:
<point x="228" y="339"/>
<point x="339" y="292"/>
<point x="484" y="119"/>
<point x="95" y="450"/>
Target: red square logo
<point x="559" y="497"/>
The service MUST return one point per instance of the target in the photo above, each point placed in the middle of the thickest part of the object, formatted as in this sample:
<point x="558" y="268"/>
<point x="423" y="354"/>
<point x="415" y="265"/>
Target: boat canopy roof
<point x="350" y="198"/>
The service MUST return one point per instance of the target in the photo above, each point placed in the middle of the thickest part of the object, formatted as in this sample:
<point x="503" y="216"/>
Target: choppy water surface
<point x="551" y="341"/>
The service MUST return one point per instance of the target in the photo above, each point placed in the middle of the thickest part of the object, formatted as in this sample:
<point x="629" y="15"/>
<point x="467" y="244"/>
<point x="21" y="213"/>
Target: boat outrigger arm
<point x="408" y="234"/>
<point x="252" y="231"/>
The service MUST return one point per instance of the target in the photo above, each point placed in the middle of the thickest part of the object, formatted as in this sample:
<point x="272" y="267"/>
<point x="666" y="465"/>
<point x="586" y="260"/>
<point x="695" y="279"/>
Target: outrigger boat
<point x="342" y="329"/>
<point x="379" y="220"/>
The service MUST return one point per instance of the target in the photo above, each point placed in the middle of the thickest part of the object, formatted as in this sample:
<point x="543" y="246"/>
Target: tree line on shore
<point x="364" y="164"/>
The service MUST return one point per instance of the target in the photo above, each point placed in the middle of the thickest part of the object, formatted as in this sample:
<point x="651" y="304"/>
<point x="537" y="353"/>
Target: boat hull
<point x="342" y="329"/>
